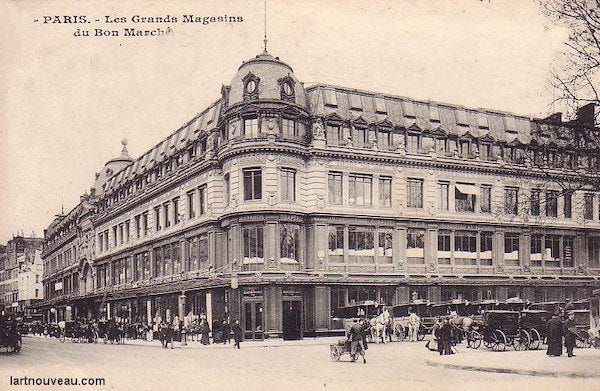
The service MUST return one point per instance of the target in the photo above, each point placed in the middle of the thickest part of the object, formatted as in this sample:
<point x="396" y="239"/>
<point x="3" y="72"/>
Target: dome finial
<point x="124" y="151"/>
<point x="265" y="40"/>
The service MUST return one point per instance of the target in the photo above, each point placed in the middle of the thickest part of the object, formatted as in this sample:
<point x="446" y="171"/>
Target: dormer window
<point x="286" y="90"/>
<point x="251" y="83"/>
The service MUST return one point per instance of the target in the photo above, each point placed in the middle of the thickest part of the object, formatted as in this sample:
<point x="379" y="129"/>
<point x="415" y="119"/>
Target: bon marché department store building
<point x="279" y="203"/>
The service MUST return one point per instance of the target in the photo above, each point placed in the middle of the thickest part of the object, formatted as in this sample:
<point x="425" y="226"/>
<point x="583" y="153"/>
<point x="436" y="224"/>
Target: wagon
<point x="341" y="348"/>
<point x="534" y="322"/>
<point x="401" y="312"/>
<point x="582" y="323"/>
<point x="10" y="338"/>
<point x="499" y="329"/>
<point x="350" y="314"/>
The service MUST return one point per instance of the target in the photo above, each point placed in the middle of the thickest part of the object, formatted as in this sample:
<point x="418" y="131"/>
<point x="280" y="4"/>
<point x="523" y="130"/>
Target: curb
<point x="527" y="372"/>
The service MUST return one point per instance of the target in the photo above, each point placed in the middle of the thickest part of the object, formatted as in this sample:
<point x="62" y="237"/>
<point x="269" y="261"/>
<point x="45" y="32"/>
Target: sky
<point x="66" y="102"/>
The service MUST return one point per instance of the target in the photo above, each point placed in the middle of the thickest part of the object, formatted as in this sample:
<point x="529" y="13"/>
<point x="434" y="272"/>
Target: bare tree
<point x="575" y="75"/>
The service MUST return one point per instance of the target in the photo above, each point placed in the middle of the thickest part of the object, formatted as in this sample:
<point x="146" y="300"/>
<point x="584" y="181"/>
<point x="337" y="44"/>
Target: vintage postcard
<point x="299" y="195"/>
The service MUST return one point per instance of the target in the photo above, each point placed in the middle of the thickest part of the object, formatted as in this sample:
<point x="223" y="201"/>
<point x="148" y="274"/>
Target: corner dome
<point x="265" y="77"/>
<point x="112" y="167"/>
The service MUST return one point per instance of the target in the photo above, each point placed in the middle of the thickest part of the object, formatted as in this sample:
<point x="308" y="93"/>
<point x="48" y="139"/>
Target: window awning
<point x="467" y="189"/>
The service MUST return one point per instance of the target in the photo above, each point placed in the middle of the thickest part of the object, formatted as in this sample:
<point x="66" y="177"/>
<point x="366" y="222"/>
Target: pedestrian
<point x="226" y="332"/>
<point x="554" y="330"/>
<point x="355" y="337"/>
<point x="204" y="332"/>
<point x="570" y="333"/>
<point x="365" y="330"/>
<point x="445" y="337"/>
<point x="568" y="307"/>
<point x="237" y="334"/>
<point x="414" y="323"/>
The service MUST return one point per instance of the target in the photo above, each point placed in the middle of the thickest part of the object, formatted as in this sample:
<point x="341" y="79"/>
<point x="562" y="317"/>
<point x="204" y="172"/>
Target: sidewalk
<point x="267" y="343"/>
<point x="585" y="364"/>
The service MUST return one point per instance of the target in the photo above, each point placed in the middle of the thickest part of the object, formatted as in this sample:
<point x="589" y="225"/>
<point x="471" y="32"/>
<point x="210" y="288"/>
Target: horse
<point x="379" y="325"/>
<point x="461" y="323"/>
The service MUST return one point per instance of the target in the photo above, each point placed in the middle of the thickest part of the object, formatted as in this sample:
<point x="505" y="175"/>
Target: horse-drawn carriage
<point x="401" y="312"/>
<point x="534" y="322"/>
<point x="499" y="329"/>
<point x="582" y="324"/>
<point x="111" y="332"/>
<point x="10" y="338"/>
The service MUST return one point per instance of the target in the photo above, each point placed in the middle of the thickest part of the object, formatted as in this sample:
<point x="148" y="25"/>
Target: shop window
<point x="511" y="249"/>
<point x="253" y="244"/>
<point x="415" y="246"/>
<point x="335" y="236"/>
<point x="552" y="251"/>
<point x="485" y="248"/>
<point x="465" y="248"/>
<point x="536" y="250"/>
<point x="361" y="248"/>
<point x="335" y="188"/>
<point x="385" y="250"/>
<point x="443" y="253"/>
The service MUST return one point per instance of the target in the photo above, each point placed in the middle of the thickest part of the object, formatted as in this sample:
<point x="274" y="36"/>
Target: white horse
<point x="379" y="324"/>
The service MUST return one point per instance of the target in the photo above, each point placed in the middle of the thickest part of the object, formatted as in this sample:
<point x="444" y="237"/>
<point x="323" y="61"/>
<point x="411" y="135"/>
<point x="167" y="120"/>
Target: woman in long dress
<point x="204" y="331"/>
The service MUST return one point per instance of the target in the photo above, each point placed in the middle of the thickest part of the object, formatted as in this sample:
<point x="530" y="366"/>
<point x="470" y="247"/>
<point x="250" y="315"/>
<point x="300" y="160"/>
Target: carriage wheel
<point x="399" y="332"/>
<point x="521" y="341"/>
<point x="499" y="341"/>
<point x="474" y="339"/>
<point x="335" y="353"/>
<point x="536" y="339"/>
<point x="584" y="341"/>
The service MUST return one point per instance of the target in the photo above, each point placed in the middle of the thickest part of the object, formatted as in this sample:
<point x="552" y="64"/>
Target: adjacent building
<point x="280" y="203"/>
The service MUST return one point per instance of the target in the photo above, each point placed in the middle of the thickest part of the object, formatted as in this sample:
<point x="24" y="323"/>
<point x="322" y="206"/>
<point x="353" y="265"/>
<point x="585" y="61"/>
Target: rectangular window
<point x="335" y="239"/>
<point x="191" y="199"/>
<point x="334" y="180"/>
<point x="176" y="217"/>
<point x="588" y="207"/>
<point x="361" y="247"/>
<point x="252" y="183"/>
<point x="465" y="248"/>
<point x="251" y="127"/>
<point x="461" y="117"/>
<point x="443" y="253"/>
<point x="380" y="106"/>
<point x="415" y="246"/>
<point x="414" y="193"/>
<point x="511" y="200"/>
<point x="408" y="108"/>
<point x="226" y="189"/>
<point x="289" y="128"/>
<point x="127" y="233"/>
<point x="202" y="199"/>
<point x="157" y="224"/>
<point x="203" y="250"/>
<point x="568" y="250"/>
<point x="253" y="244"/>
<point x="330" y="98"/>
<point x="535" y="202"/>
<point x="360" y="189"/>
<point x="145" y="223"/>
<point x="593" y="244"/>
<point x="384" y="139"/>
<point x="552" y="203"/>
<point x="486" y="198"/>
<point x="536" y="250"/>
<point x="115" y="242"/>
<point x="413" y="143"/>
<point x="568" y="204"/>
<point x="511" y="249"/>
<point x="464" y="197"/>
<point x="434" y="113"/>
<point x="552" y="251"/>
<point x="287" y="183"/>
<point x="138" y="226"/>
<point x="288" y="241"/>
<point x="355" y="102"/>
<point x="443" y="190"/>
<point x="191" y="263"/>
<point x="166" y="215"/>
<point x="385" y="248"/>
<point x="385" y="191"/>
<point x="360" y="137"/>
<point x="334" y="134"/>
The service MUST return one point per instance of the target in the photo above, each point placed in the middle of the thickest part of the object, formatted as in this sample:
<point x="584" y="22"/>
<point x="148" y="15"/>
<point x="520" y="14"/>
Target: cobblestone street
<point x="274" y="365"/>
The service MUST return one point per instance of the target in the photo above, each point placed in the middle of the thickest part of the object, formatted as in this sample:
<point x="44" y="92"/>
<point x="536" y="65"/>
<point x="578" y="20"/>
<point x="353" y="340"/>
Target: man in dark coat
<point x="554" y="329"/>
<point x="445" y="337"/>
<point x="365" y="330"/>
<point x="355" y="336"/>
<point x="226" y="332"/>
<point x="570" y="334"/>
<point x="237" y="334"/>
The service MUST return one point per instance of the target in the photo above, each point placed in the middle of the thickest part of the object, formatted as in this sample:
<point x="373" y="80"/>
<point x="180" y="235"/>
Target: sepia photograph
<point x="300" y="195"/>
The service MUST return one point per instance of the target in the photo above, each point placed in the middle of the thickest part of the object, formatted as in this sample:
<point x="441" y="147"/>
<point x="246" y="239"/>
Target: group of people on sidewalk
<point x="557" y="329"/>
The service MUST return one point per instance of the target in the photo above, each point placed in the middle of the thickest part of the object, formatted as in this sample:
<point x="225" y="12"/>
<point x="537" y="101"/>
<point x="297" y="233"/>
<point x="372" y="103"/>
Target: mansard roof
<point x="425" y="115"/>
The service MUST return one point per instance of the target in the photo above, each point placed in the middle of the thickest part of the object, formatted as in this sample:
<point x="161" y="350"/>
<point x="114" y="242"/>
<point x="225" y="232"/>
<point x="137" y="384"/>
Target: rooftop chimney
<point x="586" y="115"/>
